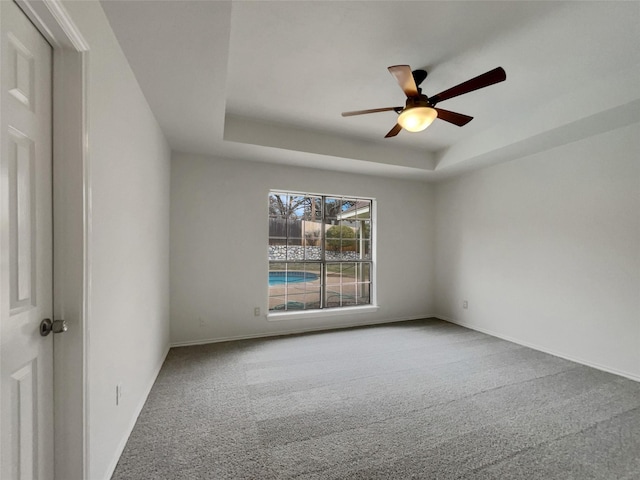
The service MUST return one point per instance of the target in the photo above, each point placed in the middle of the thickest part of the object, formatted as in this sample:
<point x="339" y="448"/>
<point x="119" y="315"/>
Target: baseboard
<point x="205" y="341"/>
<point x="134" y="418"/>
<point x="534" y="346"/>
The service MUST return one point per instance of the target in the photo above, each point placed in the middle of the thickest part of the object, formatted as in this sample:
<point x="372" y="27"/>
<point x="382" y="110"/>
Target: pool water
<point x="282" y="278"/>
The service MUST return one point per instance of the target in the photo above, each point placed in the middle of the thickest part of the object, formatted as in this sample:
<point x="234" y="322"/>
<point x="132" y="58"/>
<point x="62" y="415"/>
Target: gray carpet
<point x="421" y="399"/>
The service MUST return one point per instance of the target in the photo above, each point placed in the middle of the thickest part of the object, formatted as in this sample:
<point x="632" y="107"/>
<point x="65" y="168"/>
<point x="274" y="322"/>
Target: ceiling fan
<point x="420" y="111"/>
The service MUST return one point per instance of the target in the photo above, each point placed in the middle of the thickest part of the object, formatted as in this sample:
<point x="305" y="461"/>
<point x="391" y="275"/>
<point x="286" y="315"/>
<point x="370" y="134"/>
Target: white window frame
<point x="373" y="306"/>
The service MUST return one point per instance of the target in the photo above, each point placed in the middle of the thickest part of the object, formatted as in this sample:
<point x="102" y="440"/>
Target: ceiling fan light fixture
<point x="416" y="119"/>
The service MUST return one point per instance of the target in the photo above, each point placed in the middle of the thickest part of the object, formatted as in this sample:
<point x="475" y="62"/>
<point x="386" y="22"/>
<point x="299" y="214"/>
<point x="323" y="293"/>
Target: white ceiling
<point x="267" y="80"/>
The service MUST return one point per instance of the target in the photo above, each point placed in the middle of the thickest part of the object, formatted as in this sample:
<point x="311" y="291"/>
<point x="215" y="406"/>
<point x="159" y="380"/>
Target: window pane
<point x="363" y="209"/>
<point x="277" y="302"/>
<point x="312" y="208"/>
<point x="277" y="252"/>
<point x="312" y="298"/>
<point x="363" y="294"/>
<point x="293" y="287"/>
<point x="333" y="275"/>
<point x="292" y="268"/>
<point x="332" y="239"/>
<point x="294" y="227"/>
<point x="340" y="242"/>
<point x="347" y="208"/>
<point x="313" y="271"/>
<point x="277" y="266"/>
<point x="352" y="224"/>
<point x="332" y="207"/>
<point x="317" y="208"/>
<point x="295" y="302"/>
<point x="277" y="204"/>
<point x="313" y="253"/>
<point x="348" y="272"/>
<point x="312" y="238"/>
<point x="295" y="250"/>
<point x="349" y="294"/>
<point x="349" y="244"/>
<point x="364" y="272"/>
<point x="277" y="231"/>
<point x="277" y="273"/>
<point x="364" y="229"/>
<point x="365" y="250"/>
<point x="333" y="298"/>
<point x="349" y="249"/>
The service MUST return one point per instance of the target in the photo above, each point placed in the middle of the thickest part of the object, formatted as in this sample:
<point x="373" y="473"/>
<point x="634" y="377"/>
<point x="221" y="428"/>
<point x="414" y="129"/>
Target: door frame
<point x="71" y="228"/>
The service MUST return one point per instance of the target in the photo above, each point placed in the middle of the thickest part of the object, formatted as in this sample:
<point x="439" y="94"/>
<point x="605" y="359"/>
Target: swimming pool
<point x="281" y="278"/>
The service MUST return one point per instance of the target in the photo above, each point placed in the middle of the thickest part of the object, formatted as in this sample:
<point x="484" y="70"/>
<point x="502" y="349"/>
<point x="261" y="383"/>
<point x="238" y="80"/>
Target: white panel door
<point x="26" y="357"/>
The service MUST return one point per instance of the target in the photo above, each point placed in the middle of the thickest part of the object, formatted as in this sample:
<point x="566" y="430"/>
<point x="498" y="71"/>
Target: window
<point x="319" y="251"/>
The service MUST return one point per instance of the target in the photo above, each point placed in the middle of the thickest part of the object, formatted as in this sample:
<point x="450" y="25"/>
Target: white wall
<point x="546" y="250"/>
<point x="128" y="323"/>
<point x="219" y="236"/>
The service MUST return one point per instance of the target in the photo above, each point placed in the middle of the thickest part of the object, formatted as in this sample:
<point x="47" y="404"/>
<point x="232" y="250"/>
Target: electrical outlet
<point x="465" y="304"/>
<point x="256" y="311"/>
<point x="119" y="393"/>
<point x="201" y="322"/>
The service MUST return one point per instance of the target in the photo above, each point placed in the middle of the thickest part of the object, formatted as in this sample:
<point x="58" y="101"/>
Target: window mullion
<point x="323" y="269"/>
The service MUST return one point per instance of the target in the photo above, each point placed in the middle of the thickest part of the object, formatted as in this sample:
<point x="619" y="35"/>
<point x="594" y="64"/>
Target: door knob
<point x="57" y="326"/>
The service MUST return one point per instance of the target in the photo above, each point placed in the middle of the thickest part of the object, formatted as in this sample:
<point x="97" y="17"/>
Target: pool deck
<point x="308" y="293"/>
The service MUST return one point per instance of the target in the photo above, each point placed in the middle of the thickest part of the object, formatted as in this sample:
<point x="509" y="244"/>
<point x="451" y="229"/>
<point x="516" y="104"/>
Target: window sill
<point x="321" y="313"/>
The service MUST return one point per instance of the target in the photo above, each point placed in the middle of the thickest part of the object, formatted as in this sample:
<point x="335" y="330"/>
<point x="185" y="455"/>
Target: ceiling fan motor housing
<point x="417" y="101"/>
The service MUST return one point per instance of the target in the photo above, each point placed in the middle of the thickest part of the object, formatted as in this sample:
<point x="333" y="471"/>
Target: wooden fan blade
<point x="405" y="79"/>
<point x="373" y="110"/>
<point x="496" y="75"/>
<point x="394" y="131"/>
<point x="452" y="117"/>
